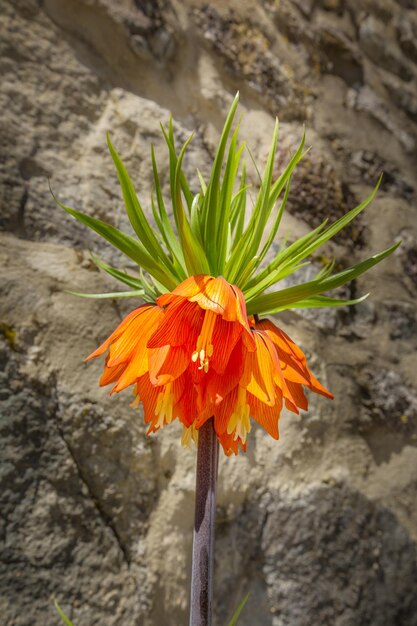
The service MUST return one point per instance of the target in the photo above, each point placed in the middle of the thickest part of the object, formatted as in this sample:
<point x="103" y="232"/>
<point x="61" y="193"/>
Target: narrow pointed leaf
<point x="318" y="302"/>
<point x="136" y="215"/>
<point x="171" y="240"/>
<point x="123" y="277"/>
<point x="226" y="199"/>
<point x="298" y="245"/>
<point x="139" y="293"/>
<point x="126" y="244"/>
<point x="212" y="198"/>
<point x="295" y="255"/>
<point x="238" y="209"/>
<point x="194" y="254"/>
<point x="268" y="302"/>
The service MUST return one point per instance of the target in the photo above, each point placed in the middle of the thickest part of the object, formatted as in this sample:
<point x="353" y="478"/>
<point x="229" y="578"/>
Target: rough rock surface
<point x="320" y="527"/>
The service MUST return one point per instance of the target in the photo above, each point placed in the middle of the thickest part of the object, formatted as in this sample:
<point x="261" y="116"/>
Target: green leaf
<point x="126" y="244"/>
<point x="167" y="231"/>
<point x="268" y="303"/>
<point x="238" y="209"/>
<point x="268" y="195"/>
<point x="226" y="192"/>
<point x="263" y="207"/>
<point x="136" y="215"/>
<point x="139" y="293"/>
<point x="212" y="208"/>
<point x="169" y="138"/>
<point x="276" y="223"/>
<point x="195" y="215"/>
<point x="238" y="611"/>
<point x="326" y="270"/>
<point x="256" y="283"/>
<point x="295" y="255"/>
<point x="194" y="254"/>
<point x="318" y="302"/>
<point x="123" y="277"/>
<point x="62" y="614"/>
<point x="202" y="182"/>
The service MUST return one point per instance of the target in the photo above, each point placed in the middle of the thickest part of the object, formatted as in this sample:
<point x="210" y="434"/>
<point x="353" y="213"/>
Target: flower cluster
<point x="196" y="354"/>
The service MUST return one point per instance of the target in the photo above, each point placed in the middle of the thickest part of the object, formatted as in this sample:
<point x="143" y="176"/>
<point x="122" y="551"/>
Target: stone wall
<point x="320" y="527"/>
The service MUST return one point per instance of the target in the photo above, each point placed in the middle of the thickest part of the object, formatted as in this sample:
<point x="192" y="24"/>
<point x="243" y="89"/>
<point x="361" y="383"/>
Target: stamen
<point x="135" y="403"/>
<point x="164" y="406"/>
<point x="189" y="434"/>
<point x="239" y="421"/>
<point x="204" y="349"/>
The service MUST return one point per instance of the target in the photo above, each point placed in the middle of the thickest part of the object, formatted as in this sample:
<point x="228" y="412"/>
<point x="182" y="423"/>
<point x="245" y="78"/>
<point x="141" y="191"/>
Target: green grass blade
<point x="238" y="611"/>
<point x="62" y="614"/>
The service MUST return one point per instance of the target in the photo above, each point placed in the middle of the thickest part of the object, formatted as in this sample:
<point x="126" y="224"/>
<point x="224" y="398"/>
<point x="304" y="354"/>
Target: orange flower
<point x="196" y="354"/>
<point x="167" y="352"/>
<point x="272" y="374"/>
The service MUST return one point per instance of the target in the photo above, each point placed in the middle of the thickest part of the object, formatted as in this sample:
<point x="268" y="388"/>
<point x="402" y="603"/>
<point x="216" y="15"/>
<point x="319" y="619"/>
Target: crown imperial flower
<point x="197" y="349"/>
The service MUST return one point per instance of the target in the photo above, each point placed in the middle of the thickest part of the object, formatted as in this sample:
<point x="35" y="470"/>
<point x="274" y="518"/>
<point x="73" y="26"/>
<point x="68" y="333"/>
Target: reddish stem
<point x="205" y="513"/>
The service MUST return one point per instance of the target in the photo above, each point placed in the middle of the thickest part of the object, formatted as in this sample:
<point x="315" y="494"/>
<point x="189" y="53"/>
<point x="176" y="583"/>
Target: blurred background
<point x="320" y="527"/>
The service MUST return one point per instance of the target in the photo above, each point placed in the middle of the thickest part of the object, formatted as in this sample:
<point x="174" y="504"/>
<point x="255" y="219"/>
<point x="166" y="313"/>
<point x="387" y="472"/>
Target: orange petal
<point x="318" y="387"/>
<point x="133" y="340"/>
<point x="111" y="374"/>
<point x="187" y="404"/>
<point x="231" y="445"/>
<point x="148" y="395"/>
<point x="168" y="363"/>
<point x="119" y="330"/>
<point x="223" y="411"/>
<point x="219" y="385"/>
<point x="281" y="340"/>
<point x="266" y="416"/>
<point x="260" y="368"/>
<point x="297" y="395"/>
<point x="225" y="337"/>
<point x="181" y="324"/>
<point x="187" y="289"/>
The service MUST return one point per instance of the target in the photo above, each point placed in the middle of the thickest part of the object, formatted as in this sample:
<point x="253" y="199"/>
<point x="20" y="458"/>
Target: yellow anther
<point x="188" y="435"/>
<point x="164" y="406"/>
<point x="204" y="348"/>
<point x="239" y="421"/>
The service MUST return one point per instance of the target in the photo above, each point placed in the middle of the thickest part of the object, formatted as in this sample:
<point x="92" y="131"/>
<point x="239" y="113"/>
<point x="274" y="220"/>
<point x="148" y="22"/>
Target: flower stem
<point x="203" y="540"/>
